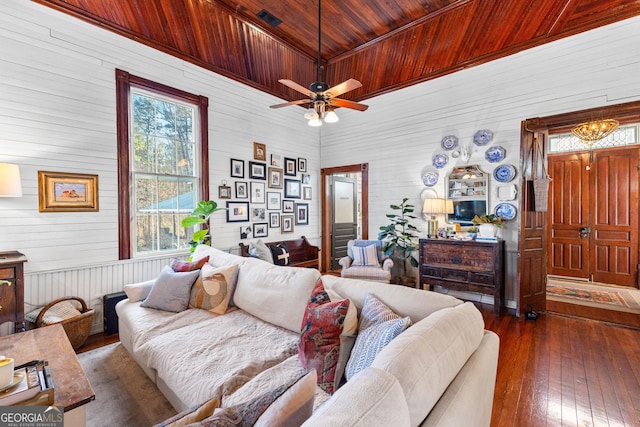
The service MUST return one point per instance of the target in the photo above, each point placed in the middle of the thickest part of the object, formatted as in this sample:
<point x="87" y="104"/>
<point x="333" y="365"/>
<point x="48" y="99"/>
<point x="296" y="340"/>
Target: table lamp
<point x="10" y="185"/>
<point x="430" y="209"/>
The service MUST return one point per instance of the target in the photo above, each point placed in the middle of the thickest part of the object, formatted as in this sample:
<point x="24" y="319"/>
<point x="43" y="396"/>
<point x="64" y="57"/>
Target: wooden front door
<point x="594" y="216"/>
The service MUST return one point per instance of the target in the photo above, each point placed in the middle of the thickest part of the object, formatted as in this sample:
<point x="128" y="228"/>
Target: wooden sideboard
<point x="465" y="266"/>
<point x="12" y="289"/>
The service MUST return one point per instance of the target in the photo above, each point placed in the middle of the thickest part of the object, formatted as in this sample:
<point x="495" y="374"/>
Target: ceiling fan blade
<point x="295" y="86"/>
<point x="286" y="104"/>
<point x="343" y="87"/>
<point x="337" y="102"/>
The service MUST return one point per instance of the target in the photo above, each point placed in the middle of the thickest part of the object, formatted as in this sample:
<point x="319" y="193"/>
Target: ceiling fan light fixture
<point x="331" y="116"/>
<point x="310" y="114"/>
<point x="315" y="122"/>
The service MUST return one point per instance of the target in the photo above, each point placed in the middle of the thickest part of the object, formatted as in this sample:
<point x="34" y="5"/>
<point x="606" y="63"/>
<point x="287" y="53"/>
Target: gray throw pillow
<point x="260" y="250"/>
<point x="171" y="291"/>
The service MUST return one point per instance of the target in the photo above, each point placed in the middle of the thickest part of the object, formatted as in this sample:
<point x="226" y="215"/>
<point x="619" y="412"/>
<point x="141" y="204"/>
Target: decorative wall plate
<point x="430" y="178"/>
<point x="440" y="160"/>
<point x="504" y="173"/>
<point x="495" y="154"/>
<point x="482" y="137"/>
<point x="506" y="211"/>
<point x="449" y="142"/>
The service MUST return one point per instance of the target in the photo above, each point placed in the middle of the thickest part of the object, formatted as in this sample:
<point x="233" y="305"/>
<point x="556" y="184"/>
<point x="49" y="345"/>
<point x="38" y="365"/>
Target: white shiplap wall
<point x="57" y="113"/>
<point x="401" y="131"/>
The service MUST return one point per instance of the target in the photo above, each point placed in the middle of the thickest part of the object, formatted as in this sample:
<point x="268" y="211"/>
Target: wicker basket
<point x="77" y="327"/>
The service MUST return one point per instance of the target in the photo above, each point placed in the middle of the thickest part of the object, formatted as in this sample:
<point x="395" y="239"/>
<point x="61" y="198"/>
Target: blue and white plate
<point x="430" y="178"/>
<point x="506" y="210"/>
<point x="482" y="137"/>
<point x="504" y="173"/>
<point x="449" y="142"/>
<point x="439" y="160"/>
<point x="495" y="154"/>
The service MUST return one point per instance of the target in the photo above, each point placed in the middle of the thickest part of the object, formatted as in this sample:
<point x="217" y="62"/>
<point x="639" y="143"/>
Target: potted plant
<point x="200" y="215"/>
<point x="399" y="240"/>
<point x="488" y="225"/>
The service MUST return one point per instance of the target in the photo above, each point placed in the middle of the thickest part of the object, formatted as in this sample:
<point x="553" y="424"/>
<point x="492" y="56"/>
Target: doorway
<point x="344" y="211"/>
<point x="593" y="227"/>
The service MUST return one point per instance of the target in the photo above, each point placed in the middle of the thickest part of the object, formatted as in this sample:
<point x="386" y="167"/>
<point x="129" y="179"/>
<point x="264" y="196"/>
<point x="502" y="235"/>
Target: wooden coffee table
<point x="71" y="386"/>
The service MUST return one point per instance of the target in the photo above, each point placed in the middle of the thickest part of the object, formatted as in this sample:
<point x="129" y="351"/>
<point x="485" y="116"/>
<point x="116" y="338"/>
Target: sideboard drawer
<point x="7" y="273"/>
<point x="481" y="279"/>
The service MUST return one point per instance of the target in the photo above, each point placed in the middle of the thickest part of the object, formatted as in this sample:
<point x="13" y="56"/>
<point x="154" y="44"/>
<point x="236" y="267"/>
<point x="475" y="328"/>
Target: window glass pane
<point x="164" y="173"/>
<point x="165" y="119"/>
<point x="567" y="142"/>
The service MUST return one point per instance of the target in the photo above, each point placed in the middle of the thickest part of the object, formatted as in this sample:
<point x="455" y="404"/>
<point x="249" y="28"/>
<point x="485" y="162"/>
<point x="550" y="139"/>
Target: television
<point x="465" y="210"/>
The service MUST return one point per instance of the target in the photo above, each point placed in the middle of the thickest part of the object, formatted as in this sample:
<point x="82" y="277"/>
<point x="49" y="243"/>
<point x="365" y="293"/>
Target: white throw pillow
<point x="261" y="251"/>
<point x="367" y="255"/>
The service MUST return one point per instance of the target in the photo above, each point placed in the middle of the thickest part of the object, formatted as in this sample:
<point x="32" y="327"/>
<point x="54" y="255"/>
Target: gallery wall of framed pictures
<point x="269" y="191"/>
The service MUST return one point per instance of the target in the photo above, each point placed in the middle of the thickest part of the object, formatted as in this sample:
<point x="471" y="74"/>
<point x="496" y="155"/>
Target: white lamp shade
<point x="10" y="185"/>
<point x="435" y="206"/>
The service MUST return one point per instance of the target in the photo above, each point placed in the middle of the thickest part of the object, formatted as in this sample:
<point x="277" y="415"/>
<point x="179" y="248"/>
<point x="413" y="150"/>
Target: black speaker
<point x="109" y="311"/>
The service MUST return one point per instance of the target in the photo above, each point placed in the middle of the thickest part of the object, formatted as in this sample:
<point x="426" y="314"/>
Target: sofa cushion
<point x="378" y="326"/>
<point x="192" y="415"/>
<point x="319" y="345"/>
<point x="415" y="303"/>
<point x="171" y="290"/>
<point x="260" y="250"/>
<point x="365" y="255"/>
<point x="426" y="358"/>
<point x="275" y="294"/>
<point x="183" y="266"/>
<point x="280" y="254"/>
<point x="213" y="290"/>
<point x="372" y="398"/>
<point x="139" y="291"/>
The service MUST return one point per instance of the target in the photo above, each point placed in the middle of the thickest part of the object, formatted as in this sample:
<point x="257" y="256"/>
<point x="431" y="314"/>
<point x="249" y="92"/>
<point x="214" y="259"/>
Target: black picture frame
<point x="302" y="164"/>
<point x="237" y="211"/>
<point x="288" y="206"/>
<point x="260" y="229"/>
<point x="237" y="168"/>
<point x="274" y="220"/>
<point x="290" y="168"/>
<point x="257" y="170"/>
<point x="293" y="188"/>
<point x="302" y="214"/>
<point x="242" y="191"/>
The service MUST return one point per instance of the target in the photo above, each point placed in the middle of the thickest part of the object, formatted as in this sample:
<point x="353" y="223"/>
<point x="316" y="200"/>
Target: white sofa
<point x="439" y="372"/>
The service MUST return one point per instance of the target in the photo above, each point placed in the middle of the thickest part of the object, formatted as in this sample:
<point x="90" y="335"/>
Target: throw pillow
<point x="192" y="415"/>
<point x="183" y="266"/>
<point x="260" y="250"/>
<point x="171" y="290"/>
<point x="347" y="337"/>
<point x="319" y="345"/>
<point x="367" y="255"/>
<point x="247" y="413"/>
<point x="378" y="326"/>
<point x="139" y="291"/>
<point x="280" y="253"/>
<point x="214" y="288"/>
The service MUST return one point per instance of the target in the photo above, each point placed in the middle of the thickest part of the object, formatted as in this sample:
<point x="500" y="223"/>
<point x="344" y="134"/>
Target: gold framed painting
<point x="67" y="192"/>
<point x="259" y="151"/>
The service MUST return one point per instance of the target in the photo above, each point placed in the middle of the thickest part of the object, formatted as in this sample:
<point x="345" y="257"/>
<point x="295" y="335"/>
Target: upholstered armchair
<point x="365" y="260"/>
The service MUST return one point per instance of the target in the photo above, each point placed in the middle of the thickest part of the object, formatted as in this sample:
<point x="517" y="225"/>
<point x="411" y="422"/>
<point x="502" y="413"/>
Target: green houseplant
<point x="200" y="215"/>
<point x="399" y="240"/>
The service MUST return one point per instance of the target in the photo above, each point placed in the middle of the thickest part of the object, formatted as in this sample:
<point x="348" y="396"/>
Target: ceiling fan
<point x="322" y="99"/>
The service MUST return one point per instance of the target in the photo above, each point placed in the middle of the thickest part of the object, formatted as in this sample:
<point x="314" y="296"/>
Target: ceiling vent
<point x="269" y="18"/>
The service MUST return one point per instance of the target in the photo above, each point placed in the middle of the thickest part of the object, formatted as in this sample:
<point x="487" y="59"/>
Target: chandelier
<point x="590" y="132"/>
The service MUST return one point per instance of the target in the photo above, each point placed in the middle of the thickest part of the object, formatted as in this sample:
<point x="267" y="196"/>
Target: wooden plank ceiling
<point x="385" y="44"/>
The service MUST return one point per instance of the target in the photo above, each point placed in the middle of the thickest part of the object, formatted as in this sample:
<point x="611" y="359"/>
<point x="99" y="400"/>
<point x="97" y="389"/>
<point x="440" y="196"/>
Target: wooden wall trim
<point x="124" y="81"/>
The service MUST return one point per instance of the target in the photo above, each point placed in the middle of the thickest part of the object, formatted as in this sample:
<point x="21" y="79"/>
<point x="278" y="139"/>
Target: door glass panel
<point x="343" y="202"/>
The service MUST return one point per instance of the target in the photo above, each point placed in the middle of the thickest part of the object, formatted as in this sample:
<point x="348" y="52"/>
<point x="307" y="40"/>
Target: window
<point x="567" y="142"/>
<point x="161" y="166"/>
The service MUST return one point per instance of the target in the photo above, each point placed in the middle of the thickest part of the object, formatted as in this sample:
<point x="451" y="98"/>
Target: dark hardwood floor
<point x="556" y="371"/>
<point x="565" y="371"/>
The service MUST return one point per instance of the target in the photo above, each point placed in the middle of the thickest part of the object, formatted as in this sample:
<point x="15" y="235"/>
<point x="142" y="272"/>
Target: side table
<point x="12" y="289"/>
